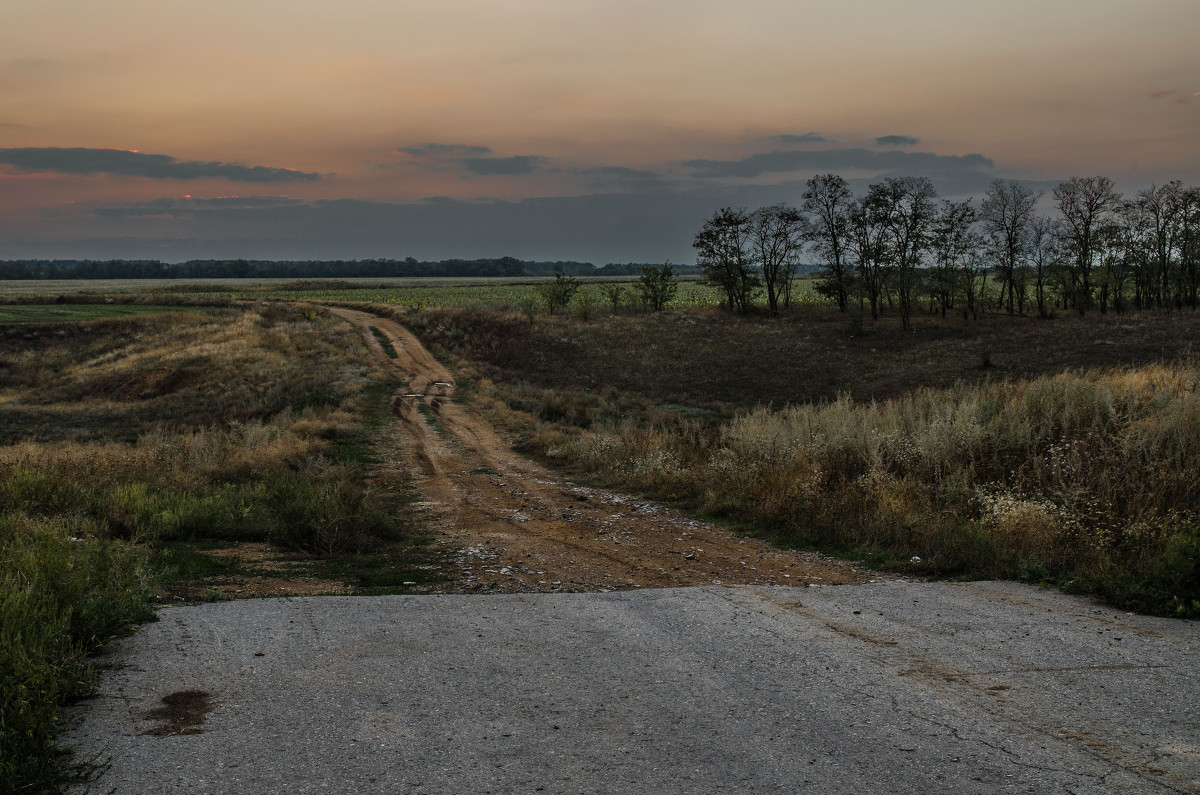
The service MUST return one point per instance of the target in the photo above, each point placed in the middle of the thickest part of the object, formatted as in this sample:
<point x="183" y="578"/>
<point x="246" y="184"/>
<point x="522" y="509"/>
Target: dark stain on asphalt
<point x="181" y="712"/>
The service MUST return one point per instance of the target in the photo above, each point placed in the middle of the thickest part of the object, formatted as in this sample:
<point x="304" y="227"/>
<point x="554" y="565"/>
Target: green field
<point x="70" y="313"/>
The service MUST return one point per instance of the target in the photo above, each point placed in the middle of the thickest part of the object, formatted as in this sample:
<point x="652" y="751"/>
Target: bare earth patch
<point x="511" y="526"/>
<point x="286" y="574"/>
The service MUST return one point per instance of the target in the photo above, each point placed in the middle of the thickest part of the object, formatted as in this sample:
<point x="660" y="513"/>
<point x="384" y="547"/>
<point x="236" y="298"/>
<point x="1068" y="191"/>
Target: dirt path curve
<point x="517" y="529"/>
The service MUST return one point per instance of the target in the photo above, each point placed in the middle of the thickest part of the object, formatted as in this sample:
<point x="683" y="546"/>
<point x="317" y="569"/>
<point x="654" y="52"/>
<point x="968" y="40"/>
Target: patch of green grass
<point x="432" y="418"/>
<point x="361" y="446"/>
<point x="181" y="562"/>
<point x="71" y="313"/>
<point x="401" y="568"/>
<point x="384" y="342"/>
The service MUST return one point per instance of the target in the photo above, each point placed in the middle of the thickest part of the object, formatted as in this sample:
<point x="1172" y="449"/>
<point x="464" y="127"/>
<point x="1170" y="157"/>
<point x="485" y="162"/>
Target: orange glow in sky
<point x="540" y="99"/>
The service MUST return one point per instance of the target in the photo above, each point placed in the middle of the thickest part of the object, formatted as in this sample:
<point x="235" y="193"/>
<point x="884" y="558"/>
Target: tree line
<point x="902" y="247"/>
<point x="307" y="269"/>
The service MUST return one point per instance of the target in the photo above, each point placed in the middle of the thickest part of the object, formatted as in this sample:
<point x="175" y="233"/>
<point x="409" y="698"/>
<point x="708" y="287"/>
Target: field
<point x="179" y="456"/>
<point x="69" y="313"/>
<point x="150" y="455"/>
<point x="23" y="287"/>
<point x="1060" y="450"/>
<point x="404" y="293"/>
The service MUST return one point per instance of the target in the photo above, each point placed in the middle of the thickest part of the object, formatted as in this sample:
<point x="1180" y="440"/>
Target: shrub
<point x="64" y="592"/>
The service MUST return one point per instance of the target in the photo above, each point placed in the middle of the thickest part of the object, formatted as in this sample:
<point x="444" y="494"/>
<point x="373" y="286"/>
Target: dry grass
<point x="711" y="360"/>
<point x="184" y="370"/>
<point x="1044" y="465"/>
<point x="121" y="434"/>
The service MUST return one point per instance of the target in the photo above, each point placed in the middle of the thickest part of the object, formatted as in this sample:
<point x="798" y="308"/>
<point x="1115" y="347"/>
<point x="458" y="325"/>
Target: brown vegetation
<point x="724" y="363"/>
<point x="977" y="450"/>
<point x="122" y="439"/>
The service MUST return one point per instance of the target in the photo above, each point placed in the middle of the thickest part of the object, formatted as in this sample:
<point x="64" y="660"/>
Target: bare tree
<point x="973" y="274"/>
<point x="1086" y="205"/>
<point x="954" y="241"/>
<point x="1189" y="248"/>
<point x="869" y="245"/>
<point x="908" y="205"/>
<point x="723" y="246"/>
<point x="1157" y="212"/>
<point x="828" y="201"/>
<point x="1006" y="211"/>
<point x="1043" y="254"/>
<point x="777" y="237"/>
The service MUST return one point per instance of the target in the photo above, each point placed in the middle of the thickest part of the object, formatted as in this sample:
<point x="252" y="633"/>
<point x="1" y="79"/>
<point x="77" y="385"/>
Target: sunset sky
<point x="597" y="131"/>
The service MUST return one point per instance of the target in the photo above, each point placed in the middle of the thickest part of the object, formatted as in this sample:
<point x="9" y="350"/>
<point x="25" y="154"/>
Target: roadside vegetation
<point x="132" y="448"/>
<point x="999" y="447"/>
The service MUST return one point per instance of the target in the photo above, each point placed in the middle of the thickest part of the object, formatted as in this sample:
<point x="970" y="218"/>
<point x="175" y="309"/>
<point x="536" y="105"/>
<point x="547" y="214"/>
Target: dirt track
<point x="517" y="529"/>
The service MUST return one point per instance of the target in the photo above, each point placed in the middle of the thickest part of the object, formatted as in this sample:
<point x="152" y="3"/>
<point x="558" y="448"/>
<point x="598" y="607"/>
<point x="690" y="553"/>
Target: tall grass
<point x="1091" y="479"/>
<point x="127" y="433"/>
<point x="64" y="591"/>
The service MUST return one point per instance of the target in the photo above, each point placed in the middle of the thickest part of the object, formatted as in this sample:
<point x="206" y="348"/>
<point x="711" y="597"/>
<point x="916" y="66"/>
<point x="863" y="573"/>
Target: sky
<point x="593" y="130"/>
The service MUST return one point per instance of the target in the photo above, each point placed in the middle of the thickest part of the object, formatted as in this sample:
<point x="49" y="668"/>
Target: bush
<point x="64" y="592"/>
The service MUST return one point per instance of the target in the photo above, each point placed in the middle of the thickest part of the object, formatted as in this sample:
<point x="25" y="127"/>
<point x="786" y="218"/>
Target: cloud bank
<point x="515" y="165"/>
<point x="121" y="162"/>
<point x="837" y="160"/>
<point x="807" y="138"/>
<point x="445" y="150"/>
<point x="897" y="140"/>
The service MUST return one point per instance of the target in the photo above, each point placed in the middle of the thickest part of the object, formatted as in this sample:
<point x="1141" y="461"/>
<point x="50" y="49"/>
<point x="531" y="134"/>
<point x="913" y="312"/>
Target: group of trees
<point x="899" y="246"/>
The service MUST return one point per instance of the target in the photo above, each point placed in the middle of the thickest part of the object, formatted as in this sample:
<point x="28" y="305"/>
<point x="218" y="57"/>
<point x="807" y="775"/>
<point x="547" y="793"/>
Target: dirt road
<point x="517" y="529"/>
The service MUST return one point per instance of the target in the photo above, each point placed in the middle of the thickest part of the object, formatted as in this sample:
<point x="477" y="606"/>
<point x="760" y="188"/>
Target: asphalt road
<point x="892" y="687"/>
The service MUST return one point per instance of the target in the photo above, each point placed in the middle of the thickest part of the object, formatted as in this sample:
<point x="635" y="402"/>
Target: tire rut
<point x="540" y="534"/>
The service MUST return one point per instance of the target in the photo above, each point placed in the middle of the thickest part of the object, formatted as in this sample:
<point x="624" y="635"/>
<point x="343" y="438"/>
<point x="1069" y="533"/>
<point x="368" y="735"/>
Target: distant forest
<point x="309" y="269"/>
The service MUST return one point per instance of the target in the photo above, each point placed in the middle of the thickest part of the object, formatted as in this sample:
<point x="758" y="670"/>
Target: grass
<point x="1087" y="479"/>
<point x="1052" y="464"/>
<point x="384" y="342"/>
<point x="70" y="313"/>
<point x="709" y="361"/>
<point x="131" y="448"/>
<point x="431" y="418"/>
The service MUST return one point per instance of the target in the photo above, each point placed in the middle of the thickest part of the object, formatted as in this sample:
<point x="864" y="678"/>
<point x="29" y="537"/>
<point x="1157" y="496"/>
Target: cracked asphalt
<point x="888" y="687"/>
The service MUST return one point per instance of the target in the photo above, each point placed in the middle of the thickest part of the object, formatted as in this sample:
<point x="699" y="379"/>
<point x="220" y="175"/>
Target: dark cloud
<point x="515" y="165"/>
<point x="80" y="160"/>
<point x="476" y="160"/>
<point x="608" y="178"/>
<point x="189" y="207"/>
<point x="620" y="172"/>
<point x="616" y="227"/>
<point x="837" y="160"/>
<point x="897" y="140"/>
<point x="807" y="138"/>
<point x="445" y="150"/>
<point x="639" y="224"/>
